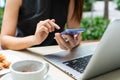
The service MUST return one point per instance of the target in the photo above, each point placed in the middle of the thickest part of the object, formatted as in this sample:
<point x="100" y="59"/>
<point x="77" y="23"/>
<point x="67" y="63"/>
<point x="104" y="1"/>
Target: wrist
<point x="33" y="40"/>
<point x="36" y="40"/>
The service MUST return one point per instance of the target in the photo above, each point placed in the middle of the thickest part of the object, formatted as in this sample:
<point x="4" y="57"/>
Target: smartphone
<point x="73" y="31"/>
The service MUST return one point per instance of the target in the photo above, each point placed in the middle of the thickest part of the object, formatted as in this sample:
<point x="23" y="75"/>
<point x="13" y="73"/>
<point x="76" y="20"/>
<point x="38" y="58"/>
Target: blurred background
<point x="96" y="16"/>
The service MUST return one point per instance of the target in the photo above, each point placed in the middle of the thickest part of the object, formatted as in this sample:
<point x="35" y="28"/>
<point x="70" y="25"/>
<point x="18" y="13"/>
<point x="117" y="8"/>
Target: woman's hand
<point x="43" y="29"/>
<point x="68" y="42"/>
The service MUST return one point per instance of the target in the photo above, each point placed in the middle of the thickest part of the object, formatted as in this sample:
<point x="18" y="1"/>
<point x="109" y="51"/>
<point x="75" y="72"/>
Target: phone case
<point x="73" y="31"/>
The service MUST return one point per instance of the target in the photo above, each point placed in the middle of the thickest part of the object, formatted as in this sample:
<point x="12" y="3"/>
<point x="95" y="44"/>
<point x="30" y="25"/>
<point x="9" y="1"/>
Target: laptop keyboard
<point x="78" y="64"/>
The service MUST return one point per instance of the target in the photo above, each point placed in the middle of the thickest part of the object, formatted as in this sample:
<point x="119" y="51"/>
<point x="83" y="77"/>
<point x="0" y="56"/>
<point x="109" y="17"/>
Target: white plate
<point x="8" y="77"/>
<point x="10" y="58"/>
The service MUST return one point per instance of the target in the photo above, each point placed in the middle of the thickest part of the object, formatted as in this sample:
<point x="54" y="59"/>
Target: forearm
<point x="15" y="43"/>
<point x="72" y="21"/>
<point x="73" y="24"/>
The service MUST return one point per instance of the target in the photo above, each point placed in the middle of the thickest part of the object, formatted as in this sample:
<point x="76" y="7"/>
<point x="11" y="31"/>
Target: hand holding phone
<point x="73" y="31"/>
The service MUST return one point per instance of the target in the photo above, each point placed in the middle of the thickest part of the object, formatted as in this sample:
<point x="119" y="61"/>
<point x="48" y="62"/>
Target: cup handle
<point x="47" y="68"/>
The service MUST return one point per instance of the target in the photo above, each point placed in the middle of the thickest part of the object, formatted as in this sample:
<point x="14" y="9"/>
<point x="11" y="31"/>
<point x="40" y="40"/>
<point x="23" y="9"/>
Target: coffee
<point x="27" y="71"/>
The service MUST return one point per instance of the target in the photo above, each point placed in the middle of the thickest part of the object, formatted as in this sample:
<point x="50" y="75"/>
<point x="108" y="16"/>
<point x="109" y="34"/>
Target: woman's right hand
<point x="43" y="29"/>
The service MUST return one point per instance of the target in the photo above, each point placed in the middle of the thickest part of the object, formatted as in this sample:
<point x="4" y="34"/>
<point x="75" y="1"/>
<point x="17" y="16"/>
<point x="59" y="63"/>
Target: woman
<point x="29" y="23"/>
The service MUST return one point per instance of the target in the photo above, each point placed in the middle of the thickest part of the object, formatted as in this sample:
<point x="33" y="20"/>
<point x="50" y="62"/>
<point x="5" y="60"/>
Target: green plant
<point x="118" y="3"/>
<point x="94" y="28"/>
<point x="87" y="5"/>
<point x="1" y="21"/>
<point x="1" y="17"/>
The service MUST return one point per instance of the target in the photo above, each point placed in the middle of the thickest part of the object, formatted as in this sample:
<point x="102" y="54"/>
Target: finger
<point x="54" y="24"/>
<point x="47" y="24"/>
<point x="43" y="28"/>
<point x="42" y="23"/>
<point x="61" y="46"/>
<point x="53" y="20"/>
<point x="79" y="40"/>
<point x="71" y="40"/>
<point x="50" y="28"/>
<point x="76" y="36"/>
<point x="62" y="41"/>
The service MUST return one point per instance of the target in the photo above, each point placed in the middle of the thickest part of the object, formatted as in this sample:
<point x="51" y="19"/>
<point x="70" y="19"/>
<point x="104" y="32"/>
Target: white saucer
<point x="8" y="77"/>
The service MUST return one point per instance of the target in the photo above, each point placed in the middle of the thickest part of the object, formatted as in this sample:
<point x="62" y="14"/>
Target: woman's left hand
<point x="68" y="42"/>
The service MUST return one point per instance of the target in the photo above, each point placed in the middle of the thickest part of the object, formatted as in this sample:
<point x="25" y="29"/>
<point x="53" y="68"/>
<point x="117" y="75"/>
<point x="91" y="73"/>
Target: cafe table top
<point x="37" y="53"/>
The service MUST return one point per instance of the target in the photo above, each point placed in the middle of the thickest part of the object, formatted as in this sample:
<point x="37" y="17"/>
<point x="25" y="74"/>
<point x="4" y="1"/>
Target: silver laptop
<point x="91" y="59"/>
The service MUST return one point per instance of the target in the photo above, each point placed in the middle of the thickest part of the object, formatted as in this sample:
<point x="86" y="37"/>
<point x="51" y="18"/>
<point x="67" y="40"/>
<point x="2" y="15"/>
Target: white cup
<point x="29" y="70"/>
